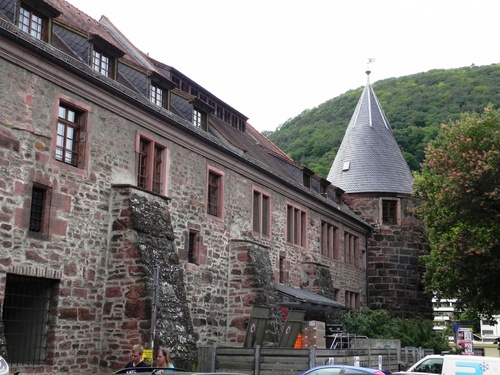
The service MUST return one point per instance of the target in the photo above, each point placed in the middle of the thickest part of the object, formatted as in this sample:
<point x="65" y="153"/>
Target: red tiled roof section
<point x="252" y="143"/>
<point x="80" y="21"/>
<point x="266" y="143"/>
<point x="73" y="16"/>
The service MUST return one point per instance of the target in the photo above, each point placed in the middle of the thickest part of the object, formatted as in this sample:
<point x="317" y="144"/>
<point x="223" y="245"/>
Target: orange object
<point x="298" y="342"/>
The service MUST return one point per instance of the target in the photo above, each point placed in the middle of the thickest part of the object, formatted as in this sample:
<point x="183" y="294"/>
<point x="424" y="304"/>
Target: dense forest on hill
<point x="415" y="105"/>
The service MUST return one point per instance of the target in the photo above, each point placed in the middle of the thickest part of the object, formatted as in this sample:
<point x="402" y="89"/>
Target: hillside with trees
<point x="415" y="105"/>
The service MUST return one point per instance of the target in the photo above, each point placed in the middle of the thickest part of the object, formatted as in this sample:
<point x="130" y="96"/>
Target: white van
<point x="454" y="365"/>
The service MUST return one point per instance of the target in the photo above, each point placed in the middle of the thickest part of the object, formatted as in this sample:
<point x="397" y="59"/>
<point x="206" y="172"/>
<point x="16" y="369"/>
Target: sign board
<point x="257" y="326"/>
<point x="465" y="341"/>
<point x="291" y="329"/>
<point x="147" y="356"/>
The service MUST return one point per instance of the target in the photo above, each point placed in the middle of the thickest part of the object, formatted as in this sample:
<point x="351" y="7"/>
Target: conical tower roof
<point x="369" y="160"/>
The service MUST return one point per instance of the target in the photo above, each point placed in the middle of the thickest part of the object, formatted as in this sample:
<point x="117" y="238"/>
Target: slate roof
<point x="301" y="298"/>
<point x="369" y="159"/>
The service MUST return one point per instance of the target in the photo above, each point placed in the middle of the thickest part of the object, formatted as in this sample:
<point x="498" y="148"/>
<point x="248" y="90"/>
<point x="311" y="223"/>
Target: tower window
<point x="390" y="211"/>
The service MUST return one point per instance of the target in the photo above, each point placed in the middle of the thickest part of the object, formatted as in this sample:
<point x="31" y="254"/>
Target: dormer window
<point x="35" y="19"/>
<point x="306" y="180"/>
<point x="30" y="22"/>
<point x="101" y="63"/>
<point x="199" y="119"/>
<point x="104" y="58"/>
<point x="306" y="177"/>
<point x="159" y="87"/>
<point x="156" y="95"/>
<point x="200" y="113"/>
<point x="230" y="117"/>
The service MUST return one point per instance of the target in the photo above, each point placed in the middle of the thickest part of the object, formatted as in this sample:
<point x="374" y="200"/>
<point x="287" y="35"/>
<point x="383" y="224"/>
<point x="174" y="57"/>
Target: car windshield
<point x="431" y="366"/>
<point x="326" y="371"/>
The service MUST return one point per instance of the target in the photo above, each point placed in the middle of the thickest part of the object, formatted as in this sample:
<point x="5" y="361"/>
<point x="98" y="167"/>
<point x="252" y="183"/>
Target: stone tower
<point x="378" y="185"/>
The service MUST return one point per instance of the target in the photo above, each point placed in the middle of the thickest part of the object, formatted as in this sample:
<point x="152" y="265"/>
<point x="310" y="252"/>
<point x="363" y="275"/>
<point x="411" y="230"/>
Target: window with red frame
<point x="329" y="240"/>
<point x="193" y="247"/>
<point x="261" y="213"/>
<point x="40" y="205"/>
<point x="296" y="226"/>
<point x="214" y="199"/>
<point x="70" y="141"/>
<point x="150" y="162"/>
<point x="351" y="249"/>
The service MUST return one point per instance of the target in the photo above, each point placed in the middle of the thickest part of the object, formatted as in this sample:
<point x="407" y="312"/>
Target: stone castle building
<point x="138" y="207"/>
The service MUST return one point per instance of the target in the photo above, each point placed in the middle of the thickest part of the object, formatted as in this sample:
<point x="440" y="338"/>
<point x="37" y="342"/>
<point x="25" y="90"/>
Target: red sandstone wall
<point x="394" y="272"/>
<point x="100" y="311"/>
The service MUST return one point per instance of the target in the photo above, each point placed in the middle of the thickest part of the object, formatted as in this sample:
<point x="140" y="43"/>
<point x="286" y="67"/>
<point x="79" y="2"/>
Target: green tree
<point x="460" y="186"/>
<point x="415" y="106"/>
<point x="379" y="324"/>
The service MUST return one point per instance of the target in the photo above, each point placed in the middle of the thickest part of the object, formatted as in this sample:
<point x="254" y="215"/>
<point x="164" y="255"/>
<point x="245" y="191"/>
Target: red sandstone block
<point x="80" y="293"/>
<point x="35" y="256"/>
<point x="70" y="269"/>
<point x="85" y="314"/>
<point x="58" y="227"/>
<point x="114" y="292"/>
<point x="68" y="314"/>
<point x="135" y="309"/>
<point x="129" y="325"/>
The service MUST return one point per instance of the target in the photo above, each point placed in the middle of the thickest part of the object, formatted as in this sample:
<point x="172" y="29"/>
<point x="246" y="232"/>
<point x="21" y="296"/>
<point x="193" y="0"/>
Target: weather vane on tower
<point x="370" y="60"/>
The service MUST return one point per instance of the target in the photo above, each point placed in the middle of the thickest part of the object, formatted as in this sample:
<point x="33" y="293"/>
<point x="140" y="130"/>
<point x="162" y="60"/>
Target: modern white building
<point x="444" y="318"/>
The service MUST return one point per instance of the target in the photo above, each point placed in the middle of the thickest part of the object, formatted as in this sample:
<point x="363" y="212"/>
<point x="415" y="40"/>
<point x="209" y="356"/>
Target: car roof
<point x="368" y="369"/>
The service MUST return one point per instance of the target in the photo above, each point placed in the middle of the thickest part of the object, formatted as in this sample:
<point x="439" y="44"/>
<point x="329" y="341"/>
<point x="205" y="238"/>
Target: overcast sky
<point x="272" y="59"/>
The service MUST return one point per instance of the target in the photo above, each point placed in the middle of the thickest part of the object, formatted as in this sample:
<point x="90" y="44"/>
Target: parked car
<point x="4" y="366"/>
<point x="168" y="371"/>
<point x="344" y="370"/>
<point x="453" y="364"/>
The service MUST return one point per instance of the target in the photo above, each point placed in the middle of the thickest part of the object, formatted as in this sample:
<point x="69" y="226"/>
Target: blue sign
<point x="455" y="327"/>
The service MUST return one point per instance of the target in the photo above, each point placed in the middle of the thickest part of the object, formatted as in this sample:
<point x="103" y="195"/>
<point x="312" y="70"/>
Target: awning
<point x="302" y="299"/>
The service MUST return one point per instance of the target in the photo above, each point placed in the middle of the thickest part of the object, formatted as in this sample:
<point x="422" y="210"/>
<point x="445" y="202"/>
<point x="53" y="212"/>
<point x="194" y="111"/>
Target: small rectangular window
<point x="261" y="213"/>
<point x="157" y="96"/>
<point x="199" y="119"/>
<point x="142" y="164"/>
<point x="389" y="211"/>
<point x="306" y="179"/>
<point x="157" y="169"/>
<point x="193" y="247"/>
<point x="38" y="201"/>
<point x="352" y="300"/>
<point x="296" y="226"/>
<point x="101" y="63"/>
<point x="351" y="249"/>
<point x="329" y="240"/>
<point x="29" y="304"/>
<point x="214" y="207"/>
<point x="284" y="269"/>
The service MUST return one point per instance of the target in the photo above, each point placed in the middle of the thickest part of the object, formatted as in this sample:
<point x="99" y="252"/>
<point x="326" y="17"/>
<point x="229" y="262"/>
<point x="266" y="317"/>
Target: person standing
<point x="136" y="359"/>
<point x="163" y="360"/>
